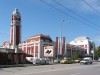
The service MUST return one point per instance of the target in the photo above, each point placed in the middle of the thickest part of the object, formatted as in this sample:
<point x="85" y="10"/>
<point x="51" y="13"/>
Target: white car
<point x="86" y="60"/>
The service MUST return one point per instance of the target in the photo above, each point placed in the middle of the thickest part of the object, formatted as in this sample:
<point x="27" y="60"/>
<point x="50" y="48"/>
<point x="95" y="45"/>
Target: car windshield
<point x="85" y="60"/>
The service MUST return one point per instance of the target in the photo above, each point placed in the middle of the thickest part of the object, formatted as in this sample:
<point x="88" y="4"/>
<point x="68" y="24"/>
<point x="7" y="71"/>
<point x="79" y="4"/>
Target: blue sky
<point x="39" y="18"/>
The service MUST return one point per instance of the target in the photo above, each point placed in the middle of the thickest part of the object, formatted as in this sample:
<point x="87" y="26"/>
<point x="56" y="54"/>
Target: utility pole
<point x="61" y="38"/>
<point x="58" y="48"/>
<point x="93" y="50"/>
<point x="71" y="50"/>
<point x="65" y="49"/>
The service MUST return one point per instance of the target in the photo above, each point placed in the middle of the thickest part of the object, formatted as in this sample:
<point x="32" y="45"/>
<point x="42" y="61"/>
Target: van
<point x="86" y="60"/>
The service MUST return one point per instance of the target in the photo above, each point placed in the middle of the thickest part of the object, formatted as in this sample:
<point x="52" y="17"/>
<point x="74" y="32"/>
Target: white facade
<point x="83" y="42"/>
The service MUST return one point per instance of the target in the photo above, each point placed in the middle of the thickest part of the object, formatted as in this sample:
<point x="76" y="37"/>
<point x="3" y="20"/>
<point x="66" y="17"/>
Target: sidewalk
<point x="15" y="65"/>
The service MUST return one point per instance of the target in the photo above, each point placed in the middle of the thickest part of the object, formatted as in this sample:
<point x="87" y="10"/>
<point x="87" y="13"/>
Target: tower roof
<point x="16" y="12"/>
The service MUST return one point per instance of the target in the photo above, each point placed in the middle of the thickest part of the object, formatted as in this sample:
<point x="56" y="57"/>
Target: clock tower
<point x="15" y="29"/>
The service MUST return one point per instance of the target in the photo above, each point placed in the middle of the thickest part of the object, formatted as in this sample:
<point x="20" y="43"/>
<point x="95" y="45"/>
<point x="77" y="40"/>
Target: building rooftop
<point x="40" y="35"/>
<point x="16" y="12"/>
<point x="81" y="38"/>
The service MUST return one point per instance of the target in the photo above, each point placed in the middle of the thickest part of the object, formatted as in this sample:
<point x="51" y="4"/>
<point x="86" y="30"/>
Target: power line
<point x="69" y="15"/>
<point x="91" y="7"/>
<point x="75" y="13"/>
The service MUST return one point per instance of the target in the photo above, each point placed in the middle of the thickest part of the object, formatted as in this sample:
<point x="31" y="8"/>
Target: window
<point x="47" y="40"/>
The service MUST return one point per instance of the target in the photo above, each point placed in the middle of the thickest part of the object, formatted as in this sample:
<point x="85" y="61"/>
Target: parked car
<point x="47" y="60"/>
<point x="98" y="59"/>
<point x="63" y="61"/>
<point x="29" y="60"/>
<point x="36" y="61"/>
<point x="70" y="61"/>
<point x="43" y="61"/>
<point x="66" y="61"/>
<point x="77" y="60"/>
<point x="86" y="60"/>
<point x="56" y="60"/>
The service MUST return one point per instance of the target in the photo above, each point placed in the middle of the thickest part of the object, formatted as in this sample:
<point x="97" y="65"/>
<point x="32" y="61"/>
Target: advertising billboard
<point x="48" y="51"/>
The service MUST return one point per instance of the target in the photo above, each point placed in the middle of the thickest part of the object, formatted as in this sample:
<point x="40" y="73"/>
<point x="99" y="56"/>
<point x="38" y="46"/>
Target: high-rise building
<point x="15" y="30"/>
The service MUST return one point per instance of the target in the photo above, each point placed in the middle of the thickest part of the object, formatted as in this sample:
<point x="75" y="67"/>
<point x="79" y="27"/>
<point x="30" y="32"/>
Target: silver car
<point x="47" y="60"/>
<point x="36" y="61"/>
<point x="43" y="62"/>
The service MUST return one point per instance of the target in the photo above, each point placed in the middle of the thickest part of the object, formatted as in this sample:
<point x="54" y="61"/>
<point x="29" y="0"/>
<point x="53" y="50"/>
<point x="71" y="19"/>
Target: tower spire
<point x="15" y="32"/>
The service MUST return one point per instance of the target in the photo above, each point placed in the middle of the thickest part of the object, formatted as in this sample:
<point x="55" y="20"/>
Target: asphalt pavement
<point x="56" y="69"/>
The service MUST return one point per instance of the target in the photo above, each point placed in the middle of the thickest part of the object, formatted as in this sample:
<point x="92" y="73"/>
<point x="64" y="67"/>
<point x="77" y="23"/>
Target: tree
<point x="97" y="52"/>
<point x="77" y="55"/>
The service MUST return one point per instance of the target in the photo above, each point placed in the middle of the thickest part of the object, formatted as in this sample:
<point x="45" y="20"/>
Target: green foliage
<point x="76" y="55"/>
<point x="97" y="52"/>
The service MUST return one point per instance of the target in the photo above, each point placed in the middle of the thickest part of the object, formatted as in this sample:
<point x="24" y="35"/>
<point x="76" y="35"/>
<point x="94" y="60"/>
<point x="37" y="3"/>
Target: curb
<point x="6" y="66"/>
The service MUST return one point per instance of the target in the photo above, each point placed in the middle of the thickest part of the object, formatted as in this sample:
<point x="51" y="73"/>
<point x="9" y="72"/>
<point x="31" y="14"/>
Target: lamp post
<point x="71" y="50"/>
<point x="61" y="38"/>
<point x="65" y="49"/>
<point x="93" y="51"/>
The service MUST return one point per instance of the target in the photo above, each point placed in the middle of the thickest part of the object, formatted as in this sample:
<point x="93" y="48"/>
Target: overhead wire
<point x="65" y="13"/>
<point x="76" y="14"/>
<point x="69" y="15"/>
<point x="91" y="7"/>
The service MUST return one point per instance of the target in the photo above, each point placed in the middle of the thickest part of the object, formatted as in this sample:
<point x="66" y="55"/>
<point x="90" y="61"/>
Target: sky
<point x="46" y="17"/>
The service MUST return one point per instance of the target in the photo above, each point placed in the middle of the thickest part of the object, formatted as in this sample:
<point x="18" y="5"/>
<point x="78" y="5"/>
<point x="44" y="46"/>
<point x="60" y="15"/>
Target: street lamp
<point x="93" y="51"/>
<point x="71" y="50"/>
<point x="61" y="38"/>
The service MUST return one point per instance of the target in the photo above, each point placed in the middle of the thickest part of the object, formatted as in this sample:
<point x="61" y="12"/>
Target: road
<point x="58" y="69"/>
